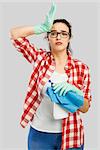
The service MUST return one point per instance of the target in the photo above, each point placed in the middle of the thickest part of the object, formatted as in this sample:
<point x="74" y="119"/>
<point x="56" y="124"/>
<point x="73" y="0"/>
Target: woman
<point x="57" y="65"/>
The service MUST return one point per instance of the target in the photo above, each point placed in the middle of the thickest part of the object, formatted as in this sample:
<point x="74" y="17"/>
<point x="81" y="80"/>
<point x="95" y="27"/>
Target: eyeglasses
<point x="54" y="34"/>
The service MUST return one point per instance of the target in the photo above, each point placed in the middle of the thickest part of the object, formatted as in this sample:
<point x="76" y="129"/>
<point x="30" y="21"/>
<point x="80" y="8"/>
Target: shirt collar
<point x="70" y="61"/>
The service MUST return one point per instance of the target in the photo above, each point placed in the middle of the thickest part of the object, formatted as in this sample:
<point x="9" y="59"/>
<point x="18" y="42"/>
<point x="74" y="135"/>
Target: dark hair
<point x="68" y="25"/>
<point x="65" y="22"/>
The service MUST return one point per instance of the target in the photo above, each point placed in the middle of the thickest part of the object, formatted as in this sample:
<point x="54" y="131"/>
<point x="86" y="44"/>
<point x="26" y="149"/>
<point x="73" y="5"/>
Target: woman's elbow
<point x="13" y="33"/>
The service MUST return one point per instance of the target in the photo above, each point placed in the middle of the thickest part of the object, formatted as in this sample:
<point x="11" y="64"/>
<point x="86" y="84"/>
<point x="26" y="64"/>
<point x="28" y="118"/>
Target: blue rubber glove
<point x="71" y="101"/>
<point x="64" y="87"/>
<point x="47" y="25"/>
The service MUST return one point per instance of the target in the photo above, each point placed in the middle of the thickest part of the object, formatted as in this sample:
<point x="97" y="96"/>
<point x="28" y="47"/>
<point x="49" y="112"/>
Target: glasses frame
<point x="59" y="33"/>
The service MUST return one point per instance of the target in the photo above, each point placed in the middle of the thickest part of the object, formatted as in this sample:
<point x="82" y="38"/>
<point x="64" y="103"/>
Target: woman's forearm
<point x="22" y="31"/>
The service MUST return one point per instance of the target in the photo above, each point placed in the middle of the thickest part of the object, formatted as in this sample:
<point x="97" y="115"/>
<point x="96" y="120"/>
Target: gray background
<point x="15" y="70"/>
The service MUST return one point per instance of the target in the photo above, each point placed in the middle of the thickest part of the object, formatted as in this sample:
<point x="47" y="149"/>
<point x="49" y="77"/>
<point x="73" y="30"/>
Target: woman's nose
<point x="58" y="36"/>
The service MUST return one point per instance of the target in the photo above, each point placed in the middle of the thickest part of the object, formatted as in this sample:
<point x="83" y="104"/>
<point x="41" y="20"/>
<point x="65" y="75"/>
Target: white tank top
<point x="44" y="119"/>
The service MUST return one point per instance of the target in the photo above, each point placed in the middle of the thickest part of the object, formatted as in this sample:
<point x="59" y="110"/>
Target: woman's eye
<point x="64" y="33"/>
<point x="53" y="33"/>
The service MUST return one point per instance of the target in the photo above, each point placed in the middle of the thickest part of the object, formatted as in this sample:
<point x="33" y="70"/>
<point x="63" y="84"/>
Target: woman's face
<point x="59" y="37"/>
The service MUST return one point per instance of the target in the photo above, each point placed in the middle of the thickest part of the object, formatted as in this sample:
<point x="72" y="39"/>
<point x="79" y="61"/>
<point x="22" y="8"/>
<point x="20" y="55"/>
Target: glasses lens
<point x="53" y="34"/>
<point x="64" y="34"/>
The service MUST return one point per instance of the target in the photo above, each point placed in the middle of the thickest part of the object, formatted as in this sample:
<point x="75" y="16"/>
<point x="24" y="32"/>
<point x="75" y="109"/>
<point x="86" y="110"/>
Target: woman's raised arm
<point x="22" y="31"/>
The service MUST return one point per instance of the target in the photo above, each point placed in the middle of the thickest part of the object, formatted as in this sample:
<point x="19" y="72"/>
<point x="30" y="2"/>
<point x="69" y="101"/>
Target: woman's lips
<point x="58" y="43"/>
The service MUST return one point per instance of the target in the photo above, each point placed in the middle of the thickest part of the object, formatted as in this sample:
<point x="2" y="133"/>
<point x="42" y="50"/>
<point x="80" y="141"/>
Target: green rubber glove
<point x="64" y="87"/>
<point x="47" y="25"/>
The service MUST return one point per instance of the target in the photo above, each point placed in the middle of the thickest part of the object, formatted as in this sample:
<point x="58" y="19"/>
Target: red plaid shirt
<point x="43" y="67"/>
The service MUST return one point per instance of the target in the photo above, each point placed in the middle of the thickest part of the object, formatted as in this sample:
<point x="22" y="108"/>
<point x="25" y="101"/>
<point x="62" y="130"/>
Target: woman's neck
<point x="60" y="57"/>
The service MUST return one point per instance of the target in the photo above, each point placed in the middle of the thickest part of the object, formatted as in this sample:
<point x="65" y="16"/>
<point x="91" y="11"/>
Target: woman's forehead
<point x="60" y="26"/>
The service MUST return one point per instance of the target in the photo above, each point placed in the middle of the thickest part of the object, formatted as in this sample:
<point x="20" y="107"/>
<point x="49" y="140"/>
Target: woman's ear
<point x="46" y="37"/>
<point x="69" y="39"/>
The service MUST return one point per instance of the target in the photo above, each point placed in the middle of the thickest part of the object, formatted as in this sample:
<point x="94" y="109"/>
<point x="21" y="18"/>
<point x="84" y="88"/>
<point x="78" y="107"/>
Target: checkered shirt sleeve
<point x="28" y="50"/>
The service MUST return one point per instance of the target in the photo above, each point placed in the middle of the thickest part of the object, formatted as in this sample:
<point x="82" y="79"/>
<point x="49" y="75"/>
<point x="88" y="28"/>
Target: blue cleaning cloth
<point x="71" y="101"/>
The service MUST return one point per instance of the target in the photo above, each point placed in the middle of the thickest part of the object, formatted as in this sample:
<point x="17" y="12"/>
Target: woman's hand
<point x="47" y="25"/>
<point x="24" y="31"/>
<point x="64" y="87"/>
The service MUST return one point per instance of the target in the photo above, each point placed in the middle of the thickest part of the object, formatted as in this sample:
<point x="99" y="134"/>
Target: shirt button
<point x="66" y="67"/>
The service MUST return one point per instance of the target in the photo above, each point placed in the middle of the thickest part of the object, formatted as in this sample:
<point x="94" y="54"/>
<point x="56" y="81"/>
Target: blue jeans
<point x="38" y="140"/>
